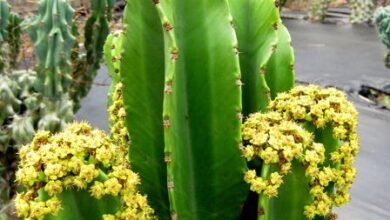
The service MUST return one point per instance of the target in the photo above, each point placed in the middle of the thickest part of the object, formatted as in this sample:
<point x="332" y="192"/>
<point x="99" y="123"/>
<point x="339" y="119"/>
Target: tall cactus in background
<point x="10" y="32"/>
<point x="51" y="34"/>
<point x="188" y="80"/>
<point x="4" y="20"/>
<point x="14" y="35"/>
<point x="382" y="22"/>
<point x="95" y="34"/>
<point x="4" y="16"/>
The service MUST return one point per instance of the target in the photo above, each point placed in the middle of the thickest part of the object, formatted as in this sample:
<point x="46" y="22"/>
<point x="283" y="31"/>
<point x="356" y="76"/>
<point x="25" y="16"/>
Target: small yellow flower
<point x="97" y="190"/>
<point x="112" y="186"/>
<point x="53" y="187"/>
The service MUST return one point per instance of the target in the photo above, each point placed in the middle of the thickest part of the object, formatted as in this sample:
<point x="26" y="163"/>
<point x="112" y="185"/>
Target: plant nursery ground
<point x="348" y="57"/>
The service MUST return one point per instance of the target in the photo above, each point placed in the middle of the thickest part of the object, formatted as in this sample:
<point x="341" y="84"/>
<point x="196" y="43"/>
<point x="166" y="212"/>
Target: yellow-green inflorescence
<point x="117" y="116"/>
<point x="74" y="160"/>
<point x="279" y="137"/>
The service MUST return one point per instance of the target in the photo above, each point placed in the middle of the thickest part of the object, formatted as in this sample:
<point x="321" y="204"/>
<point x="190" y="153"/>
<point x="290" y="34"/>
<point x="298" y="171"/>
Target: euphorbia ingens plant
<point x="189" y="72"/>
<point x="186" y="74"/>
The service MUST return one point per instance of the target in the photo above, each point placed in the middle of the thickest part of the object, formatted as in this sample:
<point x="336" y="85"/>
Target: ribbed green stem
<point x="112" y="56"/>
<point x="171" y="53"/>
<point x="53" y="40"/>
<point x="142" y="74"/>
<point x="255" y="23"/>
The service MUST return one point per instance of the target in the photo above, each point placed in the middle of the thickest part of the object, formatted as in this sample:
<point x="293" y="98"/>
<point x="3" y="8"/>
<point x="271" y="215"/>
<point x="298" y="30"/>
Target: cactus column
<point x="53" y="40"/>
<point x="172" y="89"/>
<point x="4" y="22"/>
<point x="182" y="89"/>
<point x="86" y="66"/>
<point x="382" y="23"/>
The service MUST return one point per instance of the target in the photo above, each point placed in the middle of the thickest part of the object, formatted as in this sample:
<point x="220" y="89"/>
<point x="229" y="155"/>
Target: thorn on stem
<point x="171" y="185"/>
<point x="275" y="26"/>
<point x="166" y="122"/>
<point x="277" y="3"/>
<point x="167" y="157"/>
<point x="174" y="54"/>
<point x="167" y="26"/>
<point x="262" y="70"/>
<point x="168" y="87"/>
<point x="260" y="212"/>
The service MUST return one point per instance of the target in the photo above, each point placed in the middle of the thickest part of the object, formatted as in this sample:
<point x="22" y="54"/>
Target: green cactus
<point x="14" y="41"/>
<point x="318" y="8"/>
<point x="4" y="20"/>
<point x="184" y="103"/>
<point x="382" y="23"/>
<point x="77" y="174"/>
<point x="361" y="11"/>
<point x="53" y="40"/>
<point x="308" y="143"/>
<point x="10" y="32"/>
<point x="112" y="56"/>
<point x="87" y="65"/>
<point x="4" y="49"/>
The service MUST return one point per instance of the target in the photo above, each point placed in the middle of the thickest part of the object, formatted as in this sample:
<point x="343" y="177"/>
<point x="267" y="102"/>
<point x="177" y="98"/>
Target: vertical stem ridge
<point x="171" y="54"/>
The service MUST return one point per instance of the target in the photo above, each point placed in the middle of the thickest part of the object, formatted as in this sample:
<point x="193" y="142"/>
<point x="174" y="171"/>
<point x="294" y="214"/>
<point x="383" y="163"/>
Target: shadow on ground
<point x="343" y="56"/>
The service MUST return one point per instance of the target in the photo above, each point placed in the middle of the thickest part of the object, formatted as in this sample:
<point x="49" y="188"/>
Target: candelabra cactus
<point x="4" y="21"/>
<point x="14" y="34"/>
<point x="10" y="31"/>
<point x="95" y="34"/>
<point x="77" y="174"/>
<point x="176" y="61"/>
<point x="361" y="11"/>
<point x="307" y="142"/>
<point x="51" y="33"/>
<point x="382" y="22"/>
<point x="4" y="16"/>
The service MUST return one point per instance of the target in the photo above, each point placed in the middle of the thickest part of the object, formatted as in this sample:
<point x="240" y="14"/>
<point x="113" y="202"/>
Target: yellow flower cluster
<point x="117" y="116"/>
<point x="276" y="141"/>
<point x="278" y="137"/>
<point x="76" y="159"/>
